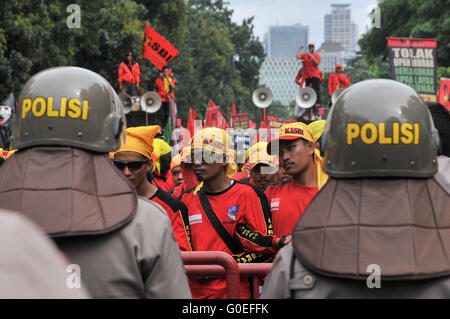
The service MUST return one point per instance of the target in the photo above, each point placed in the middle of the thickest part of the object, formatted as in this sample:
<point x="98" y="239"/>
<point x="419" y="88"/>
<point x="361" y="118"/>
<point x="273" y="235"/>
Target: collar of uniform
<point x="221" y="192"/>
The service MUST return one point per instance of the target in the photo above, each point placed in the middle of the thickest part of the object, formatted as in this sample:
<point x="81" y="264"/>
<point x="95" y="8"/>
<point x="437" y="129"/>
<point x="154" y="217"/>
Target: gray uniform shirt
<point x="30" y="264"/>
<point x="139" y="260"/>
<point x="306" y="284"/>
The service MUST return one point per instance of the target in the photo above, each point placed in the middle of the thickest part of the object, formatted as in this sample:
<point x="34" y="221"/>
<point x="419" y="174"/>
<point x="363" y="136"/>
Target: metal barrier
<point x="219" y="264"/>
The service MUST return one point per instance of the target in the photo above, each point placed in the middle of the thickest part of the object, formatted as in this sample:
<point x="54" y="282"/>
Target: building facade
<point x="278" y="74"/>
<point x="284" y="41"/>
<point x="339" y="27"/>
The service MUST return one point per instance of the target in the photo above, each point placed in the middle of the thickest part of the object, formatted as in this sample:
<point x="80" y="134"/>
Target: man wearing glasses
<point x="134" y="160"/>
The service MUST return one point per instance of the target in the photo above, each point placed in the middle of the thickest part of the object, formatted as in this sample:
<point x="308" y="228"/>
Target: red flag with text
<point x="156" y="49"/>
<point x="214" y="117"/>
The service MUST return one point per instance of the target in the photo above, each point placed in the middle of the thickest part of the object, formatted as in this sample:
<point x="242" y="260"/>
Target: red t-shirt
<point x="177" y="213"/>
<point x="287" y="203"/>
<point x="337" y="81"/>
<point x="310" y="69"/>
<point x="240" y="204"/>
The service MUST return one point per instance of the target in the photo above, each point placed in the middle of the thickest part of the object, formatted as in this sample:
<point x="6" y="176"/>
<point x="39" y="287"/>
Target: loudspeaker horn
<point x="150" y="102"/>
<point x="126" y="102"/>
<point x="335" y="95"/>
<point x="262" y="97"/>
<point x="306" y="97"/>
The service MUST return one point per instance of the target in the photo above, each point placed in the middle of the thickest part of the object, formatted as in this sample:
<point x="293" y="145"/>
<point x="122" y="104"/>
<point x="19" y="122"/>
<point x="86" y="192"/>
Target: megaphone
<point x="126" y="102"/>
<point x="306" y="97"/>
<point x="262" y="97"/>
<point x="150" y="102"/>
<point x="335" y="95"/>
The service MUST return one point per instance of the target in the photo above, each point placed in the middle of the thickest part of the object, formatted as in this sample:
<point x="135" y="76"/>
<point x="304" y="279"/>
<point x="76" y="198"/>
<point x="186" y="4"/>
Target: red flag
<point x="234" y="109"/>
<point x="444" y="93"/>
<point x="191" y="121"/>
<point x="214" y="117"/>
<point x="156" y="49"/>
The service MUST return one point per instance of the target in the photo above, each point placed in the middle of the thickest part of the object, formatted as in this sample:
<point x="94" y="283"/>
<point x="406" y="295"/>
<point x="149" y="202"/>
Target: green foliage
<point x="410" y="18"/>
<point x="218" y="58"/>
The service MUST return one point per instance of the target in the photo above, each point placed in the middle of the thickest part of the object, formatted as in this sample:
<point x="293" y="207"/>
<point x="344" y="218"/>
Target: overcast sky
<point x="289" y="12"/>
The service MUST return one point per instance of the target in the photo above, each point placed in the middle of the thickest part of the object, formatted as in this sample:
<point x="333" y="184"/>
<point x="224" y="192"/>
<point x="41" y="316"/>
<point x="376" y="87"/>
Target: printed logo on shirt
<point x="232" y="212"/>
<point x="195" y="219"/>
<point x="275" y="204"/>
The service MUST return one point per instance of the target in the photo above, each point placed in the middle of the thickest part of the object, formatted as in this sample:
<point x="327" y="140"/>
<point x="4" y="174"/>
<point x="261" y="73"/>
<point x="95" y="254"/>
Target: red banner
<point x="156" y="49"/>
<point x="214" y="118"/>
<point x="444" y="93"/>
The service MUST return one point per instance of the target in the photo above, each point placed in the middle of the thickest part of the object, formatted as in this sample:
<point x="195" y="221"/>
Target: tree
<point x="410" y="18"/>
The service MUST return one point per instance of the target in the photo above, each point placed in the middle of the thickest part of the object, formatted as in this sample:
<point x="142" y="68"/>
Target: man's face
<point x="135" y="175"/>
<point x="166" y="73"/>
<point x="263" y="174"/>
<point x="177" y="176"/>
<point x="129" y="58"/>
<point x="311" y="49"/>
<point x="296" y="156"/>
<point x="207" y="166"/>
<point x="338" y="70"/>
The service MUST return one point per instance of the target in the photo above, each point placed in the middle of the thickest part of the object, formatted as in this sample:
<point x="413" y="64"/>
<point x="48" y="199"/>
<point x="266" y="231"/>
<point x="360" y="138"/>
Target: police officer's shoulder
<point x="146" y="209"/>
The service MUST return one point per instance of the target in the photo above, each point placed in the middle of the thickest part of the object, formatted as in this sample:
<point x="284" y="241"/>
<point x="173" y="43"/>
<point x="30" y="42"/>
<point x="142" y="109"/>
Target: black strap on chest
<point x="232" y="243"/>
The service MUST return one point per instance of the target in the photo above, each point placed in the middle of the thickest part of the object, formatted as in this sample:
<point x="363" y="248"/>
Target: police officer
<point x="30" y="264"/>
<point x="379" y="227"/>
<point x="68" y="119"/>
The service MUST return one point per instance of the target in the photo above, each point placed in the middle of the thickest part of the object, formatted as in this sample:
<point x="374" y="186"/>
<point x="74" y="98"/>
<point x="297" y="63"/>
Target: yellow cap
<point x="261" y="146"/>
<point x="293" y="131"/>
<point x="160" y="148"/>
<point x="176" y="161"/>
<point x="217" y="141"/>
<point x="317" y="127"/>
<point x="140" y="140"/>
<point x="262" y="158"/>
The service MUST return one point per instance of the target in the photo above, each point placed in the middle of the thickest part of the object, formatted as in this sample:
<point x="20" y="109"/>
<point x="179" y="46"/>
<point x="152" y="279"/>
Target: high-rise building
<point x="278" y="74"/>
<point x="339" y="27"/>
<point x="284" y="41"/>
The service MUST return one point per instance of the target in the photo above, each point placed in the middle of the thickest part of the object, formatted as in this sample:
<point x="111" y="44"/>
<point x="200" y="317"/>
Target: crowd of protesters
<point x="118" y="203"/>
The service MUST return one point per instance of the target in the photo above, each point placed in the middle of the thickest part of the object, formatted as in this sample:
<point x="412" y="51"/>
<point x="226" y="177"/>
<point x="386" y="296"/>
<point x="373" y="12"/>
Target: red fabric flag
<point x="214" y="117"/>
<point x="156" y="49"/>
<point x="191" y="121"/>
<point x="234" y="109"/>
<point x="444" y="93"/>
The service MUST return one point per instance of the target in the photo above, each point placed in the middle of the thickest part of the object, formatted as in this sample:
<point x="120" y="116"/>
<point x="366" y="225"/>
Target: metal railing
<point x="218" y="264"/>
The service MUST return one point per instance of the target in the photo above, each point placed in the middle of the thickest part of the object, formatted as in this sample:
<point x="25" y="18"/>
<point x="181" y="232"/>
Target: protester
<point x="311" y="72"/>
<point x="190" y="180"/>
<point x="301" y="160"/>
<point x="62" y="179"/>
<point x="175" y="168"/>
<point x="317" y="128"/>
<point x="164" y="85"/>
<point x="378" y="228"/>
<point x="161" y="174"/>
<point x="225" y="215"/>
<point x="134" y="160"/>
<point x="337" y="80"/>
<point x="129" y="76"/>
<point x="264" y="169"/>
